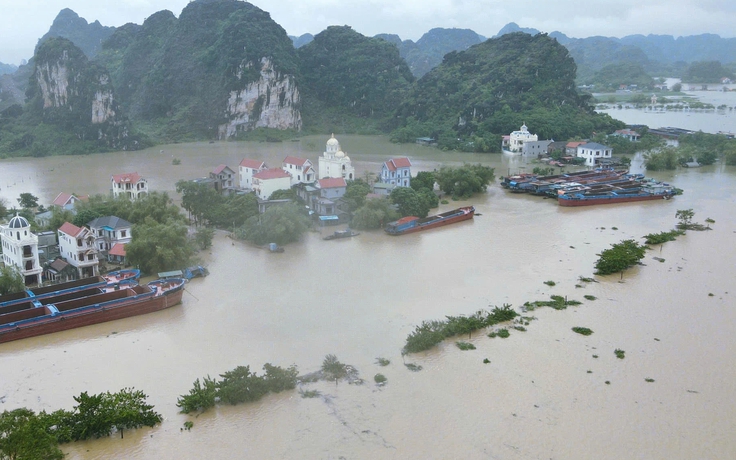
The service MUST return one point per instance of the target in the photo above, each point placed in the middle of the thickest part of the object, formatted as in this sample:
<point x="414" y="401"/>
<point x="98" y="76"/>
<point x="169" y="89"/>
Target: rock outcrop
<point x="270" y="102"/>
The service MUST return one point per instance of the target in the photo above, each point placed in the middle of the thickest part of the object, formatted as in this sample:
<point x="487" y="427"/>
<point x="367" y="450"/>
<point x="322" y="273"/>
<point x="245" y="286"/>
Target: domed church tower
<point x="20" y="249"/>
<point x="334" y="163"/>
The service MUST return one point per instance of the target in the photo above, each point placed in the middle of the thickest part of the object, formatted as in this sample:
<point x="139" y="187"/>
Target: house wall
<point x="264" y="188"/>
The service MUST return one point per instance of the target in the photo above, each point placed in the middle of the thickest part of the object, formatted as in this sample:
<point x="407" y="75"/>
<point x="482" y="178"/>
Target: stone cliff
<point x="272" y="101"/>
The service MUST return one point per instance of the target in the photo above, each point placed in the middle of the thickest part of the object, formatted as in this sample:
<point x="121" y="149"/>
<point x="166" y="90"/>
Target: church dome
<point x="18" y="222"/>
<point x="340" y="154"/>
<point x="332" y="142"/>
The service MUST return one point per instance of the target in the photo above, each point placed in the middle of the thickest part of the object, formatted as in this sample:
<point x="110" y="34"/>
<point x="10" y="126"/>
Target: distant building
<point x="130" y="185"/>
<point x="535" y="148"/>
<point x="397" y="172"/>
<point x="20" y="249"/>
<point x="628" y="134"/>
<point x="300" y="170"/>
<point x="594" y="153"/>
<point x="572" y="147"/>
<point x="517" y="139"/>
<point x="65" y="201"/>
<point x="247" y="169"/>
<point x="335" y="163"/>
<point x="268" y="181"/>
<point x="77" y="247"/>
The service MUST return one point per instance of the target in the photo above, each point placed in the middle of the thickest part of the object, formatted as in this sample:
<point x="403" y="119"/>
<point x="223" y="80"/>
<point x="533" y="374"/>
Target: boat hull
<point x="571" y="202"/>
<point x="427" y="223"/>
<point x="136" y="303"/>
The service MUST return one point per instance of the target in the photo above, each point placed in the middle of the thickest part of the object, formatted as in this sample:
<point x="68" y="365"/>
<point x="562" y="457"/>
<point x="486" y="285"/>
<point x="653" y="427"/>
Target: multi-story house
<point x="130" y="185"/>
<point x="77" y="247"/>
<point x="268" y="181"/>
<point x="247" y="169"/>
<point x="300" y="170"/>
<point x="20" y="249"/>
<point x="397" y="171"/>
<point x="109" y="231"/>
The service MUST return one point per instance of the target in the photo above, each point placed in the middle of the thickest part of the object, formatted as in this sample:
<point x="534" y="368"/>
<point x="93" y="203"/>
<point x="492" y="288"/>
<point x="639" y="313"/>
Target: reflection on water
<point x="359" y="298"/>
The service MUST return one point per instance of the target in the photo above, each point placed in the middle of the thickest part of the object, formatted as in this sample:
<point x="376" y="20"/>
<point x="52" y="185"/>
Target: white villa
<point x="593" y="152"/>
<point x="515" y="141"/>
<point x="300" y="170"/>
<point x="396" y="171"/>
<point x="334" y="163"/>
<point x="268" y="181"/>
<point x="247" y="169"/>
<point x="20" y="249"/>
<point x="77" y="247"/>
<point x="131" y="185"/>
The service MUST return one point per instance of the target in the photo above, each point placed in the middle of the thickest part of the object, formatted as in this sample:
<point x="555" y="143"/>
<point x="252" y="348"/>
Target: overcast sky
<point x="23" y="22"/>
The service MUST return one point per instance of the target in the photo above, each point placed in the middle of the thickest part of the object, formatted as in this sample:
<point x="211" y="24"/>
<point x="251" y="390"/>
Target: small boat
<point x="273" y="247"/>
<point x="195" y="271"/>
<point x="413" y="224"/>
<point x="347" y="233"/>
<point x="83" y="308"/>
<point x="121" y="276"/>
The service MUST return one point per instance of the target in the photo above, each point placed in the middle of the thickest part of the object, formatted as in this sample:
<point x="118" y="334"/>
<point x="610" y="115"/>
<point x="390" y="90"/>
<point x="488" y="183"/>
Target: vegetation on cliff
<point x="350" y="82"/>
<point x="475" y="96"/>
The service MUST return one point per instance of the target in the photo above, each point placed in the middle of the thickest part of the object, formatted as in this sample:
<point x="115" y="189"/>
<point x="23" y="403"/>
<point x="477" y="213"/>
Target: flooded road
<point x="359" y="298"/>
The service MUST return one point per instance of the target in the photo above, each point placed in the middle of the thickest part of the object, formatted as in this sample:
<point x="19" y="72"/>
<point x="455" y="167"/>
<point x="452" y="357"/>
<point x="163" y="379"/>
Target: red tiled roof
<point x="219" y="169"/>
<point x="332" y="182"/>
<point x="395" y="163"/>
<point x="295" y="161"/>
<point x="70" y="229"/>
<point x="127" y="177"/>
<point x="574" y="144"/>
<point x="274" y="173"/>
<point x="252" y="164"/>
<point x="117" y="249"/>
<point x="62" y="199"/>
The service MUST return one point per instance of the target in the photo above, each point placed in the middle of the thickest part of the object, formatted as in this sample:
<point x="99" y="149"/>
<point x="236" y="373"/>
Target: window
<point x="123" y="233"/>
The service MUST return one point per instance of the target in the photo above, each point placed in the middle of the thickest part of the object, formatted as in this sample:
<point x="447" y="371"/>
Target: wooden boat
<point x="644" y="193"/>
<point x="83" y="308"/>
<point x="347" y="233"/>
<point x="413" y="224"/>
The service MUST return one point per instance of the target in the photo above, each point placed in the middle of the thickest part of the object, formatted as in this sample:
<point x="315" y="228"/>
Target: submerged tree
<point x="620" y="257"/>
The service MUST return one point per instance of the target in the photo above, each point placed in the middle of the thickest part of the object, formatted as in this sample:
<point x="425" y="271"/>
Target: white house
<point x="246" y="169"/>
<point x="77" y="247"/>
<point x="535" y="148"/>
<point x="268" y="181"/>
<point x="131" y="185"/>
<point x="335" y="163"/>
<point x="20" y="249"/>
<point x="593" y="152"/>
<point x="109" y="230"/>
<point x="517" y="139"/>
<point x="396" y="171"/>
<point x="628" y="134"/>
<point x="300" y="170"/>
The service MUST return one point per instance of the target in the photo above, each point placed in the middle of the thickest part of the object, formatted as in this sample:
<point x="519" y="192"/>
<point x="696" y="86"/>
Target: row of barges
<point x="585" y="188"/>
<point x="45" y="310"/>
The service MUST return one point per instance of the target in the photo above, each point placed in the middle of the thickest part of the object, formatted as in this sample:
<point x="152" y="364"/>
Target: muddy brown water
<point x="359" y="298"/>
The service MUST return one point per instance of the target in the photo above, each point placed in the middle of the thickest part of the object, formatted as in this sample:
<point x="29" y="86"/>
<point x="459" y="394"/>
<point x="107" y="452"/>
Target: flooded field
<point x="359" y="298"/>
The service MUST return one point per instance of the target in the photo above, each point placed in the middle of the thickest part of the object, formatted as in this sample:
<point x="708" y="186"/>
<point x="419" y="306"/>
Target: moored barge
<point x="411" y="224"/>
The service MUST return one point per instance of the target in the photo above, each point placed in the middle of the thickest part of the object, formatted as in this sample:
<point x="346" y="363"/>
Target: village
<point x="74" y="252"/>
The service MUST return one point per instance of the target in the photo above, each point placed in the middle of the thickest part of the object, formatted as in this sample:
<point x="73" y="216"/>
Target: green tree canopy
<point x="464" y="181"/>
<point x="280" y="224"/>
<point x="28" y="201"/>
<point x="355" y="194"/>
<point x="375" y="213"/>
<point x="410" y="202"/>
<point x="157" y="247"/>
<point x="24" y="436"/>
<point x="620" y="257"/>
<point x="11" y="281"/>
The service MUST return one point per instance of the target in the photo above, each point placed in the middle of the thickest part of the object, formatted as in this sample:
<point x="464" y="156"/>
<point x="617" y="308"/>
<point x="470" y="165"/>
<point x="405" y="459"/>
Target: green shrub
<point x="620" y="354"/>
<point x="582" y="330"/>
<point x="465" y="346"/>
<point x="503" y="333"/>
<point x="380" y="378"/>
<point x="334" y="368"/>
<point x="550" y="283"/>
<point x="382" y="362"/>
<point x="413" y="367"/>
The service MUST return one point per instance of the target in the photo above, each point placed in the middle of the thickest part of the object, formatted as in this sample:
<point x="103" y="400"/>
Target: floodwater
<point x="359" y="299"/>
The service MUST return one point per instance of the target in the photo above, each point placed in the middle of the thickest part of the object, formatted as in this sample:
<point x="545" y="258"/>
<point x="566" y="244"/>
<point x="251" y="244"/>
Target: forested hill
<point x="348" y="77"/>
<point x="475" y="96"/>
<point x="87" y="37"/>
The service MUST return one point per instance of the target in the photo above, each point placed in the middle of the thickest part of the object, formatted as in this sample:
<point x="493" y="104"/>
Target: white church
<point x="334" y="163"/>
